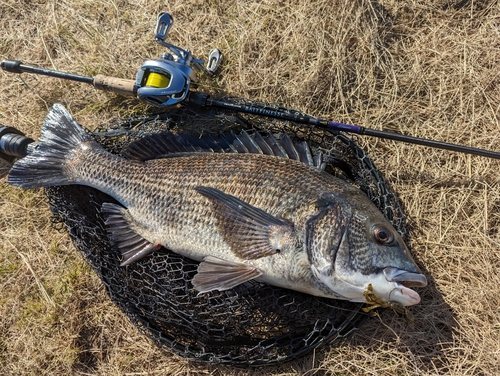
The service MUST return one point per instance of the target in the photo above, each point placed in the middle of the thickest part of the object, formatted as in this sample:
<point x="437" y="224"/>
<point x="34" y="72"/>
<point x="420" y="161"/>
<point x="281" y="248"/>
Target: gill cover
<point x="324" y="234"/>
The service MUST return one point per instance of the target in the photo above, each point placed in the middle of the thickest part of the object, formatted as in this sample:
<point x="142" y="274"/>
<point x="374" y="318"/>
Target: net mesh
<point x="252" y="324"/>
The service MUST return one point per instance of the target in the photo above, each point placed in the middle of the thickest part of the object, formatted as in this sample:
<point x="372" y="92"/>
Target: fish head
<point x="356" y="249"/>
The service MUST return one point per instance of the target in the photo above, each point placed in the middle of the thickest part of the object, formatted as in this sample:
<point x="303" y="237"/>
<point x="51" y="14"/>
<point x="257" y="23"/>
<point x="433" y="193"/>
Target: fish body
<point x="244" y="216"/>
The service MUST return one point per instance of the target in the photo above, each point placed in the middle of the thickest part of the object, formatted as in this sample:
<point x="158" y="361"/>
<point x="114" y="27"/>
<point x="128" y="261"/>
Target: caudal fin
<point x="45" y="163"/>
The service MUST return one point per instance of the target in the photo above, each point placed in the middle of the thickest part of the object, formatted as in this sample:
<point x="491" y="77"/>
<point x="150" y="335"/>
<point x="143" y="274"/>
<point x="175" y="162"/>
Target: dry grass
<point x="420" y="67"/>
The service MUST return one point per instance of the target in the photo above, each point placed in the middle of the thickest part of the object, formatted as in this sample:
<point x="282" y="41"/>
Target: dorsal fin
<point x="280" y="145"/>
<point x="276" y="147"/>
<point x="262" y="144"/>
<point x="290" y="148"/>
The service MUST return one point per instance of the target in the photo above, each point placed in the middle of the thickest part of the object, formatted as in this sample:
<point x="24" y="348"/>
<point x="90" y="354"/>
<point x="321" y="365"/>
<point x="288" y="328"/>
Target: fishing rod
<point x="166" y="82"/>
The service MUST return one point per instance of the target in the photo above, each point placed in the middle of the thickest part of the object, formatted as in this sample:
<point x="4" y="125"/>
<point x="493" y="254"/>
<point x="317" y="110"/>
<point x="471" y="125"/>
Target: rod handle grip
<point x="13" y="143"/>
<point x="13" y="66"/>
<point x="114" y="84"/>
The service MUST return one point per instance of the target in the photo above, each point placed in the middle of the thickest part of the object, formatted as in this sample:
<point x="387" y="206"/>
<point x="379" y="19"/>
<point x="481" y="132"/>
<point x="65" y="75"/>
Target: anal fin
<point x="218" y="274"/>
<point x="121" y="229"/>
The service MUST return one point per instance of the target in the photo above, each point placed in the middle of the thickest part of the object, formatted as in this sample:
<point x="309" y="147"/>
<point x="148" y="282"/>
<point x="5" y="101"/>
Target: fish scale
<point x="171" y="185"/>
<point x="244" y="215"/>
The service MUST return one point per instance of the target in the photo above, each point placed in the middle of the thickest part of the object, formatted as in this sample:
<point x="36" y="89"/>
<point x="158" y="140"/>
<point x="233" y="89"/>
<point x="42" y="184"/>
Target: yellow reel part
<point x="157" y="80"/>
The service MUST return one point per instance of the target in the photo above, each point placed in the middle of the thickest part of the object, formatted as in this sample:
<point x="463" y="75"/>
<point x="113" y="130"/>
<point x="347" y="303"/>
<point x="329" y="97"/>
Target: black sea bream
<point x="244" y="215"/>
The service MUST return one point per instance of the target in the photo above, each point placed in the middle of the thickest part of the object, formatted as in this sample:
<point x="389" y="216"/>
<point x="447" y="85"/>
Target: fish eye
<point x="382" y="234"/>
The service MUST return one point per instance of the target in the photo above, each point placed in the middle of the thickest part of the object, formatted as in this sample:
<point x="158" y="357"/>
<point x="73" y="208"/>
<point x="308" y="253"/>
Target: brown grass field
<point x="425" y="68"/>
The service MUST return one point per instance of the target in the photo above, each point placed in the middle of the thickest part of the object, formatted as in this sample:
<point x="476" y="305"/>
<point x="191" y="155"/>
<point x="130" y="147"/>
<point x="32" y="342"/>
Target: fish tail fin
<point x="45" y="165"/>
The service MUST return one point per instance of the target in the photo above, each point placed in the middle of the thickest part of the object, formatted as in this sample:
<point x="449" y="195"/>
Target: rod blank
<point x="335" y="126"/>
<point x="16" y="66"/>
<point x="431" y="143"/>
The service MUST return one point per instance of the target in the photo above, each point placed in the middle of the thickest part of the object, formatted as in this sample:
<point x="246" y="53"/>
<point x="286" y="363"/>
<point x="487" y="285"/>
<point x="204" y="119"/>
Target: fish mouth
<point x="404" y="277"/>
<point x="402" y="281"/>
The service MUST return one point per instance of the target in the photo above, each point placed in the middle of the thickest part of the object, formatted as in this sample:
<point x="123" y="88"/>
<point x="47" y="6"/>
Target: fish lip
<point x="404" y="277"/>
<point x="404" y="296"/>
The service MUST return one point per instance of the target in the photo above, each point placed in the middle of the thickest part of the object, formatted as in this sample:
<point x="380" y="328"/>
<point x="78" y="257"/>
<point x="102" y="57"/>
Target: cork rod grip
<point x="116" y="85"/>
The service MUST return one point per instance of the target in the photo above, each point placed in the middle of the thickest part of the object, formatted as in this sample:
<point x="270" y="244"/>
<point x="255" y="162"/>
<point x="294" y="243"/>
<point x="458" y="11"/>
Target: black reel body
<point x="252" y="324"/>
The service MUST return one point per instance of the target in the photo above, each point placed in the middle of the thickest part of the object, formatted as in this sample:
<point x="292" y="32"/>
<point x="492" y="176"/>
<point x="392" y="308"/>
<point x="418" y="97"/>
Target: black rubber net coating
<point x="252" y="324"/>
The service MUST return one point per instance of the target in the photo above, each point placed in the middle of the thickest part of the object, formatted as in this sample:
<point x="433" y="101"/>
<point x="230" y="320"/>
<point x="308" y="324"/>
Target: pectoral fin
<point x="217" y="274"/>
<point x="250" y="232"/>
<point x="122" y="230"/>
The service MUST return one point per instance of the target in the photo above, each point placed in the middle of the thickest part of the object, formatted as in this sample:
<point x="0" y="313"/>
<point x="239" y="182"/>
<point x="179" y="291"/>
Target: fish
<point x="246" y="207"/>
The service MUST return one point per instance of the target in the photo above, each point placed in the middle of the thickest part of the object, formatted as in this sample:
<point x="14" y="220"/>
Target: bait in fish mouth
<point x="245" y="206"/>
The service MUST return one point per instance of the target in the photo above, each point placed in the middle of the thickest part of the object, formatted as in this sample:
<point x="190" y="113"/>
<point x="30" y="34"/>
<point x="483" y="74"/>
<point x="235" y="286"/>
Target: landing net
<point x="252" y="324"/>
